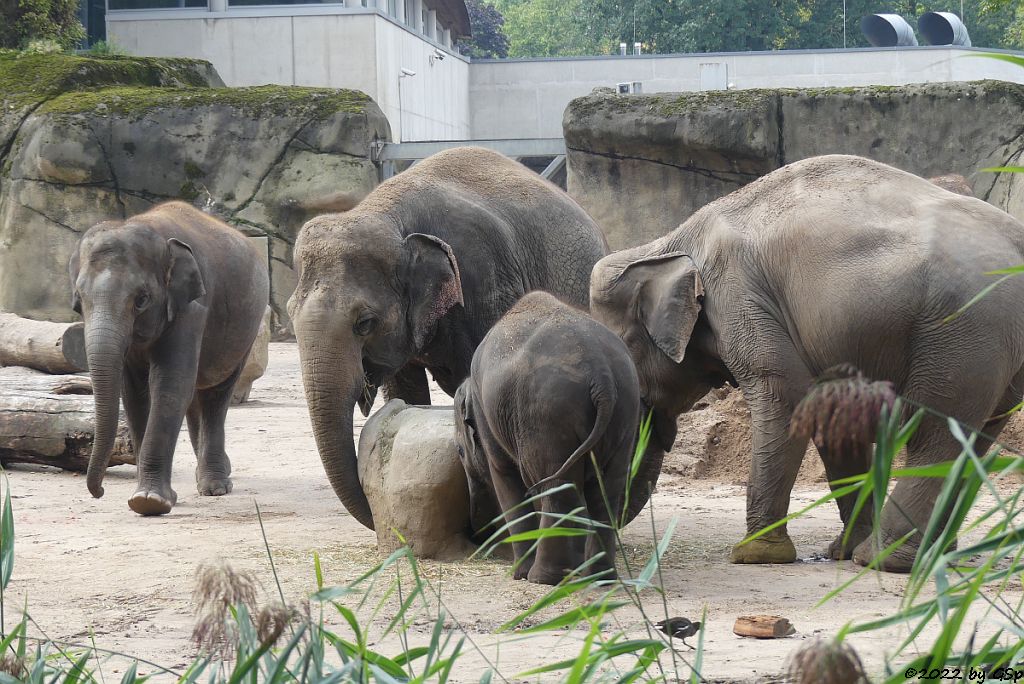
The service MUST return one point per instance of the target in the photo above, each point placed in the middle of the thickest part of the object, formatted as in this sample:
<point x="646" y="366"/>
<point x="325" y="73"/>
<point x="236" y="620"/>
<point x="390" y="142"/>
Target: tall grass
<point x="243" y="640"/>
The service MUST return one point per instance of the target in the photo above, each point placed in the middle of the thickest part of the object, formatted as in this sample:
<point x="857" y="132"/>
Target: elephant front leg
<point x="171" y="386"/>
<point x="558" y="557"/>
<point x="213" y="470"/>
<point x="410" y="385"/>
<point x="773" y="469"/>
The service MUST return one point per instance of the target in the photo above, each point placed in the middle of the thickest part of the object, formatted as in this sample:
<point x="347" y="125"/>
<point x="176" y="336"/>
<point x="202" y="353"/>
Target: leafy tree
<point x="489" y="39"/>
<point x="552" y="28"/>
<point x="22" y="21"/>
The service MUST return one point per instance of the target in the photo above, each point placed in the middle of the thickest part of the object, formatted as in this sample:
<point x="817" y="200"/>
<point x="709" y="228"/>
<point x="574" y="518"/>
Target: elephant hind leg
<point x="213" y="471"/>
<point x="837" y="467"/>
<point x="912" y="501"/>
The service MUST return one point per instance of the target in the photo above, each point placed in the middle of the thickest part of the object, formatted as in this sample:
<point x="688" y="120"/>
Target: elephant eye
<point x="365" y="325"/>
<point x="141" y="301"/>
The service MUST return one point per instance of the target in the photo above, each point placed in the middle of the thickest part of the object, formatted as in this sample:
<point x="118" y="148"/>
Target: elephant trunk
<point x="663" y="435"/>
<point x="333" y="379"/>
<point x="106" y="342"/>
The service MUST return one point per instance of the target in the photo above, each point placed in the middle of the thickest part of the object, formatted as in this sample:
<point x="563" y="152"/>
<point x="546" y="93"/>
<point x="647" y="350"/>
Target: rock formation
<point x="84" y="140"/>
<point x="641" y="164"/>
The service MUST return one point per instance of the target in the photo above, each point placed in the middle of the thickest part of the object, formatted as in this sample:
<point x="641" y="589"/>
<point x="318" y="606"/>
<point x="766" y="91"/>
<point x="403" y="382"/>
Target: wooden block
<point x="763" y="626"/>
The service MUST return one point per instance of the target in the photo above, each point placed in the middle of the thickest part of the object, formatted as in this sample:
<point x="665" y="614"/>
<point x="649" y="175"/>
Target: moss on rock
<point x="28" y="79"/>
<point x="317" y="103"/>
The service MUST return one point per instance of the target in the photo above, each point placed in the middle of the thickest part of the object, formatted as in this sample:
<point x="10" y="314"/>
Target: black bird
<point x="679" y="628"/>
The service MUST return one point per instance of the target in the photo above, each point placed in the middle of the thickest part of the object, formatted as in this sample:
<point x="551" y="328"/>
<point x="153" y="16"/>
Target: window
<point x="155" y="4"/>
<point x="410" y="15"/>
<point x="245" y="3"/>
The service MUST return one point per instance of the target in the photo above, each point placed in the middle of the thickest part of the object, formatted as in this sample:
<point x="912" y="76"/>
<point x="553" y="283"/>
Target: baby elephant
<point x="172" y="300"/>
<point x="548" y="386"/>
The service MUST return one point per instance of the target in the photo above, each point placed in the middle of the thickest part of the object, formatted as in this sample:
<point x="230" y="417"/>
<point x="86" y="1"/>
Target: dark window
<point x="155" y="4"/>
<point x="237" y="3"/>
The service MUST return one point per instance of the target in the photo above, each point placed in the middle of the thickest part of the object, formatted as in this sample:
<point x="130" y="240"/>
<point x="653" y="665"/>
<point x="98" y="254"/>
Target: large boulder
<point x="414" y="481"/>
<point x="642" y="164"/>
<point x="265" y="159"/>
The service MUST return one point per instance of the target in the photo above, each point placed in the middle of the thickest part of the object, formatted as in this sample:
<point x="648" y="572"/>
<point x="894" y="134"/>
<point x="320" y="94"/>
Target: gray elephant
<point x="830" y="260"/>
<point x="413" y="277"/>
<point x="172" y="300"/>
<point x="549" y="387"/>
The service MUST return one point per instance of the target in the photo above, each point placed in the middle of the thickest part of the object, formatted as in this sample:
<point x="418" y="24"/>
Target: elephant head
<point x="482" y="501"/>
<point x="654" y="304"/>
<point x="129" y="284"/>
<point x="368" y="299"/>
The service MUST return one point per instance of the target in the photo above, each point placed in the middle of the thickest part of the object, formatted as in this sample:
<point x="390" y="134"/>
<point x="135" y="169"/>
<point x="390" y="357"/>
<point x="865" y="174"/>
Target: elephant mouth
<point x="373" y="376"/>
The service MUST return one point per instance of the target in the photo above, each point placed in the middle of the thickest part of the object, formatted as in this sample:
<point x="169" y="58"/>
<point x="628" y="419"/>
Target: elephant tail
<point x="603" y="396"/>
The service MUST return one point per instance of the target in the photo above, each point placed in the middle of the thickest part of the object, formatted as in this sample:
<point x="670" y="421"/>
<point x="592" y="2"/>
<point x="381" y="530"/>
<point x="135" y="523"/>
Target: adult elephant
<point x="830" y="260"/>
<point x="412" y="279"/>
<point x="172" y="300"/>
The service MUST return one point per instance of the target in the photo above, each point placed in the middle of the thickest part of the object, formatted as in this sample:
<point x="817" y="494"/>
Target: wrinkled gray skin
<point x="413" y="277"/>
<point x="172" y="300"/>
<point x="829" y="260"/>
<point x="548" y="387"/>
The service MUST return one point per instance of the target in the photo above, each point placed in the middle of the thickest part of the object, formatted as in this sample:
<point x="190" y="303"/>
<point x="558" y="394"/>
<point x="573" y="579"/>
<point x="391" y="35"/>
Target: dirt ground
<point x="90" y="568"/>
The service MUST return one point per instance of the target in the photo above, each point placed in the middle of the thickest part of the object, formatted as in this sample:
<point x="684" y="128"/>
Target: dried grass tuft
<point x="841" y="411"/>
<point x="826" y="662"/>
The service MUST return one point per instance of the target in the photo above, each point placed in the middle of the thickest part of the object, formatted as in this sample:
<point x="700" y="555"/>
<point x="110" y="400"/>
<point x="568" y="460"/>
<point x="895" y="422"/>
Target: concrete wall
<point x="324" y="46"/>
<point x="526" y="98"/>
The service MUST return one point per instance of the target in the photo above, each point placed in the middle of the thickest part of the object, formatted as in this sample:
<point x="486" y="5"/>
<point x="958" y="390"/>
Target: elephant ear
<point x="465" y="425"/>
<point x="669" y="294"/>
<point x="73" y="267"/>
<point x="433" y="283"/>
<point x="184" y="282"/>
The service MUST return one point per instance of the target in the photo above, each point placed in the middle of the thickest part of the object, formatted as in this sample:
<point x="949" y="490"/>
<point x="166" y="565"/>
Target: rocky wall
<point x="641" y="164"/>
<point x="81" y="150"/>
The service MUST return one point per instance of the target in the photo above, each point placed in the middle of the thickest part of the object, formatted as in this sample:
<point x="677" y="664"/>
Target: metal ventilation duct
<point x="887" y="30"/>
<point x="943" y="28"/>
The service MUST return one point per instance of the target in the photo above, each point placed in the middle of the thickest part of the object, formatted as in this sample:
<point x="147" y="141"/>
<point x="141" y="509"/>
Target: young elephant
<point x="548" y="386"/>
<point x="172" y="300"/>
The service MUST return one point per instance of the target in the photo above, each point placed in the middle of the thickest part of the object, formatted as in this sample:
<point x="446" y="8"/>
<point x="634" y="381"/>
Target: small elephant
<point x="172" y="299"/>
<point x="414" y="276"/>
<point x="548" y="387"/>
<point x="830" y="260"/>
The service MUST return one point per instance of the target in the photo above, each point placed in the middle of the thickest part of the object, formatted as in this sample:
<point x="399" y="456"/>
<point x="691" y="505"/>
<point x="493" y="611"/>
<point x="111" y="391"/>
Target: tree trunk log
<point x="45" y="346"/>
<point x="48" y="419"/>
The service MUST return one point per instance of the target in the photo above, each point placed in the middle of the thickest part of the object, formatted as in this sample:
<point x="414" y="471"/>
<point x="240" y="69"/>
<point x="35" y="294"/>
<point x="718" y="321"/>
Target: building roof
<point x="453" y="13"/>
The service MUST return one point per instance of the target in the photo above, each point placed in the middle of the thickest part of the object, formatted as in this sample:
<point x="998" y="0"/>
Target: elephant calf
<point x="548" y="386"/>
<point x="172" y="300"/>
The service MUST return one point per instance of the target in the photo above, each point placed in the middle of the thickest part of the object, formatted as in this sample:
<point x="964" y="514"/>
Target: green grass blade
<point x="659" y="552"/>
<point x="976" y="298"/>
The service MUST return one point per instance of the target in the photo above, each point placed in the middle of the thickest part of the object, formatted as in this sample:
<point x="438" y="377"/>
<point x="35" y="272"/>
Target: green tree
<point x="552" y="28"/>
<point x="22" y="21"/>
<point x="488" y="39"/>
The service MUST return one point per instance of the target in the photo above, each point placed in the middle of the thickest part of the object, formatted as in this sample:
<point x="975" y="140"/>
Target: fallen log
<point x="46" y="346"/>
<point x="48" y="419"/>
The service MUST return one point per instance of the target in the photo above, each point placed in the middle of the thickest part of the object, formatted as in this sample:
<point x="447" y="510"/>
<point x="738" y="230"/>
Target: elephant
<point x="830" y="260"/>
<point x="413" y="277"/>
<point x="548" y="388"/>
<point x="172" y="300"/>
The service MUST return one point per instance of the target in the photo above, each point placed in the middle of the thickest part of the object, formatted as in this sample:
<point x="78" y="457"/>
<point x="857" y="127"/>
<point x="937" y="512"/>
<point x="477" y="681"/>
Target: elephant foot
<point x="152" y="501"/>
<point x="901" y="560"/>
<point x="773" y="547"/>
<point x="523" y="570"/>
<point x="540" y="575"/>
<point x="214" y="486"/>
<point x="837" y="550"/>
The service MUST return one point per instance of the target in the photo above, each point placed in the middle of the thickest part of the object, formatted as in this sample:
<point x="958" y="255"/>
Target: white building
<point x="400" y="52"/>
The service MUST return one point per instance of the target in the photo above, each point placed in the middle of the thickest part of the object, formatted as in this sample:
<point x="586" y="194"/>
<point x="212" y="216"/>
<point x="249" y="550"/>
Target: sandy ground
<point x="89" y="568"/>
